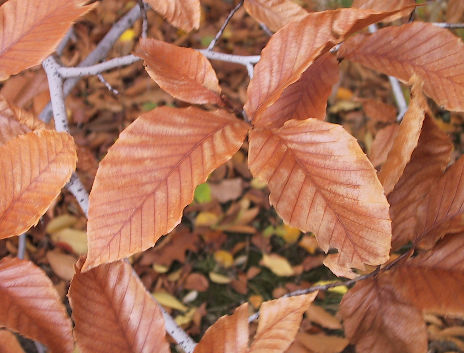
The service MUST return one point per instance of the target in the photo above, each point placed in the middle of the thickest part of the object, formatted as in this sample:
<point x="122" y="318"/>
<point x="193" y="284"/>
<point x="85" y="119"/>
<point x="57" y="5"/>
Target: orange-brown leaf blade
<point x="279" y="321"/>
<point x="427" y="164"/>
<point x="377" y="320"/>
<point x="31" y="306"/>
<point x="275" y="13"/>
<point x="31" y="30"/>
<point x="406" y="139"/>
<point x="33" y="169"/>
<point x="149" y="175"/>
<point x="386" y="6"/>
<point x="111" y="308"/>
<point x="182" y="72"/>
<point x="9" y="343"/>
<point x="291" y="50"/>
<point x="321" y="181"/>
<point x="437" y="60"/>
<point x="184" y="14"/>
<point x="229" y="334"/>
<point x="382" y="144"/>
<point x="307" y="97"/>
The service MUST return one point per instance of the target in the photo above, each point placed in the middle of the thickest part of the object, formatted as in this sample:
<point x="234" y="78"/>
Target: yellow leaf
<point x="127" y="36"/>
<point x="224" y="258"/>
<point x="289" y="234"/>
<point x="166" y="299"/>
<point x="256" y="301"/>
<point x="344" y="93"/>
<point x="75" y="239"/>
<point x="277" y="264"/>
<point x="60" y="222"/>
<point x="186" y="318"/>
<point x="206" y="219"/>
<point x="338" y="289"/>
<point x="258" y="183"/>
<point x="160" y="268"/>
<point x="309" y="243"/>
<point x="218" y="278"/>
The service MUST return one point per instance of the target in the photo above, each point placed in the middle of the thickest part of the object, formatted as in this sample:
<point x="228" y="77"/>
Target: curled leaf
<point x="184" y="14"/>
<point x="382" y="144"/>
<point x="386" y="6"/>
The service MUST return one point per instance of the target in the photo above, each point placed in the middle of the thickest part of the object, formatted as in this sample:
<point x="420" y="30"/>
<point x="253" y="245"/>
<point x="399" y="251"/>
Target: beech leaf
<point x="9" y="343"/>
<point x="33" y="169"/>
<point x="184" y="73"/>
<point x="427" y="164"/>
<point x="150" y="174"/>
<point x="31" y="306"/>
<point x="31" y="30"/>
<point x="294" y="48"/>
<point x="406" y="139"/>
<point x="307" y="97"/>
<point x="382" y="144"/>
<point x="184" y="14"/>
<point x="274" y="13"/>
<point x="111" y="308"/>
<point x="393" y="51"/>
<point x="386" y="6"/>
<point x="321" y="181"/>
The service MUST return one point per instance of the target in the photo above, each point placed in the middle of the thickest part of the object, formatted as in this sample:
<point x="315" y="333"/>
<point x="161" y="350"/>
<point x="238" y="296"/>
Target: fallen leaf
<point x="184" y="14"/>
<point x="321" y="343"/>
<point x="61" y="264"/>
<point x="277" y="264"/>
<point x="169" y="301"/>
<point x="218" y="278"/>
<point x="321" y="317"/>
<point x="382" y="144"/>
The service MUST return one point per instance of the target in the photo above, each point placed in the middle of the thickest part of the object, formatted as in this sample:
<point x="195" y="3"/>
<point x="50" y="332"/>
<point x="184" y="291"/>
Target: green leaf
<point x="203" y="193"/>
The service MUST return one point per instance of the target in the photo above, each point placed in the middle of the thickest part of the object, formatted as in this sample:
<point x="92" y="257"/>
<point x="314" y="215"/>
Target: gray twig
<point x="144" y="19"/>
<point x="21" y="246"/>
<point x="224" y="25"/>
<point x="96" y="69"/>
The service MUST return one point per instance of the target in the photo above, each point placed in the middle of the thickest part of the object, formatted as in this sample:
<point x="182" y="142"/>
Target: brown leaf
<point x="61" y="264"/>
<point x="196" y="281"/>
<point x="137" y="199"/>
<point x="393" y="51"/>
<point x="322" y="343"/>
<point x="454" y="11"/>
<point x="227" y="189"/>
<point x="33" y="169"/>
<point x="386" y="6"/>
<point x="30" y="31"/>
<point x="339" y="198"/>
<point x="182" y="72"/>
<point x="307" y="97"/>
<point x="427" y="164"/>
<point x="184" y="14"/>
<point x="229" y="334"/>
<point x="279" y="321"/>
<point x="321" y="317"/>
<point x="442" y="210"/>
<point x="382" y="144"/>
<point x="434" y="281"/>
<point x="9" y="343"/>
<point x="31" y="306"/>
<point x="294" y="48"/>
<point x="111" y="308"/>
<point x="274" y="13"/>
<point x="379" y="111"/>
<point x="406" y="139"/>
<point x="377" y="320"/>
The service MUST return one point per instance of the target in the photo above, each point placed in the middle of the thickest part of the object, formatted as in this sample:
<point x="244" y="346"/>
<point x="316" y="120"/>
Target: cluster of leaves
<point x="319" y="179"/>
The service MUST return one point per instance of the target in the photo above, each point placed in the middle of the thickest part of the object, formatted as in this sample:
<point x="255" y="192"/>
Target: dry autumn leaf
<point x="378" y="110"/>
<point x="427" y="164"/>
<point x="111" y="308"/>
<point x="386" y="6"/>
<point x="31" y="306"/>
<point x="9" y="343"/>
<point x="33" y="168"/>
<point x="307" y="97"/>
<point x="382" y="144"/>
<point x="184" y="14"/>
<point x="31" y="27"/>
<point x="406" y="140"/>
<point x="340" y="199"/>
<point x="454" y="11"/>
<point x="437" y="61"/>
<point x="184" y="73"/>
<point x="294" y="48"/>
<point x="275" y="13"/>
<point x="321" y="343"/>
<point x="136" y="200"/>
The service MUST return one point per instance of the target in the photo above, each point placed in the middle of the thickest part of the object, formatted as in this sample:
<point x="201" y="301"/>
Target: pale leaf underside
<point x="31" y="306"/>
<point x="33" y="169"/>
<point x="321" y="181"/>
<point x="149" y="175"/>
<point x="114" y="312"/>
<point x="184" y="14"/>
<point x="182" y="72"/>
<point x="32" y="29"/>
<point x="382" y="144"/>
<point x="437" y="60"/>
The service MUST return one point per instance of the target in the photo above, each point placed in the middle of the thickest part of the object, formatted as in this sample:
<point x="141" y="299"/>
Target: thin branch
<point x="64" y="41"/>
<point x="179" y="335"/>
<point x="40" y="348"/>
<point x="236" y="59"/>
<point x="66" y="72"/>
<point x="266" y="29"/>
<point x="55" y="84"/>
<point x="224" y="25"/>
<point x="107" y="85"/>
<point x="448" y="25"/>
<point x="21" y="246"/>
<point x="144" y="19"/>
<point x="76" y="188"/>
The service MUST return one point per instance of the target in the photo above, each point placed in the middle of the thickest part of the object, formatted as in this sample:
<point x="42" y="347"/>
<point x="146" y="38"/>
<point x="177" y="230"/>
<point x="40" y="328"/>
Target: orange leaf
<point x="111" y="308"/>
<point x="442" y="211"/>
<point x="279" y="321"/>
<point x="307" y="97"/>
<point x="31" y="30"/>
<point x="274" y="13"/>
<point x="382" y="144"/>
<point x="33" y="169"/>
<point x="182" y="72"/>
<point x="377" y="320"/>
<point x="454" y="11"/>
<point x="321" y="181"/>
<point x="406" y="139"/>
<point x="9" y="343"/>
<point x="386" y="6"/>
<point x="31" y="306"/>
<point x="379" y="111"/>
<point x="149" y="175"/>
<point x="393" y="51"/>
<point x="294" y="48"/>
<point x="229" y="334"/>
<point x="427" y="164"/>
<point x="184" y="14"/>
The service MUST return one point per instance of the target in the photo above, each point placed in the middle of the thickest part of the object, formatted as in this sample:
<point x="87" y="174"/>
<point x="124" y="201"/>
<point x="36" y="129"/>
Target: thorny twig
<point x="224" y="25"/>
